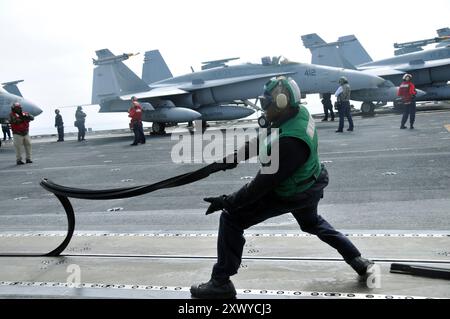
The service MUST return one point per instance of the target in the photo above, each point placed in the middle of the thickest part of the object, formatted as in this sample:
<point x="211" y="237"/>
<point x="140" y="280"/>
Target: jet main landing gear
<point x="367" y="108"/>
<point x="158" y="128"/>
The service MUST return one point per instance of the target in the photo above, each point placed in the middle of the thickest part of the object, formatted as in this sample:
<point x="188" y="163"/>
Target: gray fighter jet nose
<point x="31" y="108"/>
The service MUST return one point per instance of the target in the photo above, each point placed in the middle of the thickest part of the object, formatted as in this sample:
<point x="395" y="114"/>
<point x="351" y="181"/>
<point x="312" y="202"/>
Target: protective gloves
<point x="216" y="203"/>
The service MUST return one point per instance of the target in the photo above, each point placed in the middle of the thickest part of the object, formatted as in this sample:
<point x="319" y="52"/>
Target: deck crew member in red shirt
<point x="20" y="124"/>
<point x="407" y="93"/>
<point x="135" y="112"/>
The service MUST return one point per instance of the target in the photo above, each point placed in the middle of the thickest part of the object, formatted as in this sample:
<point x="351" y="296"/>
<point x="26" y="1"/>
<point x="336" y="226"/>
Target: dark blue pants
<point x="409" y="110"/>
<point x="328" y="107"/>
<point x="344" y="111"/>
<point x="230" y="242"/>
<point x="6" y="132"/>
<point x="81" y="131"/>
<point x="138" y="130"/>
<point x="60" y="133"/>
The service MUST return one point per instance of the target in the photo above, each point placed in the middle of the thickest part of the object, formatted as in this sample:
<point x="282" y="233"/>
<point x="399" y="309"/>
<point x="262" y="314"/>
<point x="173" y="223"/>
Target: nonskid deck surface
<point x="164" y="265"/>
<point x="388" y="191"/>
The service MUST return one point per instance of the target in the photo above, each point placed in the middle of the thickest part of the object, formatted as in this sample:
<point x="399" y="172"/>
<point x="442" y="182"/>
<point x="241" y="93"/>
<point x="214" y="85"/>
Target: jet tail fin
<point x="155" y="68"/>
<point x="352" y="50"/>
<point x="444" y="32"/>
<point x="12" y="88"/>
<point x="325" y="53"/>
<point x="312" y="40"/>
<point x="113" y="78"/>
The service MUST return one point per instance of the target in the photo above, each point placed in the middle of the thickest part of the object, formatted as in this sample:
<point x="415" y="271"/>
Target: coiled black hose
<point x="63" y="194"/>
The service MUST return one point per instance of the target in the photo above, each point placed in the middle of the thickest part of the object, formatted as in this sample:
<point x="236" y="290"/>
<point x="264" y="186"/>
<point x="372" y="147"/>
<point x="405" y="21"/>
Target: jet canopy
<point x="275" y="60"/>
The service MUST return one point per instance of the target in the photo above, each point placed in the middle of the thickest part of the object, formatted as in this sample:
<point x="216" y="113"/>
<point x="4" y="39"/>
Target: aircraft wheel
<point x="262" y="121"/>
<point x="158" y="128"/>
<point x="367" y="108"/>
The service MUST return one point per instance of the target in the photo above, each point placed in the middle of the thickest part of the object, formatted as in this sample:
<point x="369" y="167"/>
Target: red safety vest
<point x="135" y="112"/>
<point x="406" y="91"/>
<point x="22" y="126"/>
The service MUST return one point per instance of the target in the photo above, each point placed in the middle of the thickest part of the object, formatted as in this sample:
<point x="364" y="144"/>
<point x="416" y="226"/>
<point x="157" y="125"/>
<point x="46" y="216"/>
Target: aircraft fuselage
<point x="6" y="101"/>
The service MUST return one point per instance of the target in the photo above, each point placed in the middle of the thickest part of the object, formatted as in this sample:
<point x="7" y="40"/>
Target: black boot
<point x="360" y="265"/>
<point x="213" y="289"/>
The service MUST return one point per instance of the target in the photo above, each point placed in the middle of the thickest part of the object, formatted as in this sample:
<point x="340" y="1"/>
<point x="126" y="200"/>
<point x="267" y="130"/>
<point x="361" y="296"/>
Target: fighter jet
<point x="430" y="69"/>
<point x="9" y="94"/>
<point x="209" y="94"/>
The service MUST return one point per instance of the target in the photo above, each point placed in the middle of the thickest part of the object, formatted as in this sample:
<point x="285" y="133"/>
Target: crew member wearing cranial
<point x="296" y="188"/>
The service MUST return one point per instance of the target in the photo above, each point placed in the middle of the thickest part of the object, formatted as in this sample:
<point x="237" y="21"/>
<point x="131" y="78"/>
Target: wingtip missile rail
<point x="113" y="59"/>
<point x="420" y="43"/>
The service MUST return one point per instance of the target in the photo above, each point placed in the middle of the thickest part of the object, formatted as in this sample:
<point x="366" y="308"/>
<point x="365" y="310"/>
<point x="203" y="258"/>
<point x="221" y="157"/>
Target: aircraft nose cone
<point x="31" y="108"/>
<point x="36" y="110"/>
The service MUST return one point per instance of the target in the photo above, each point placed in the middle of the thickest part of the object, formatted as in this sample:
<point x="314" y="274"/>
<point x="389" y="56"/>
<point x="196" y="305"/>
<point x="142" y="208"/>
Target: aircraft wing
<point x="382" y="71"/>
<point x="406" y="67"/>
<point x="417" y="65"/>
<point x="200" y="84"/>
<point x="196" y="84"/>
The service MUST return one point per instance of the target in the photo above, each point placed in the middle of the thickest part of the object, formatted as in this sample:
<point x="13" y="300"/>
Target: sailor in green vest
<point x="296" y="188"/>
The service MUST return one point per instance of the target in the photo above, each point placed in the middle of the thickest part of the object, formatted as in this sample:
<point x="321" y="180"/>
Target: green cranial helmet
<point x="343" y="80"/>
<point x="281" y="92"/>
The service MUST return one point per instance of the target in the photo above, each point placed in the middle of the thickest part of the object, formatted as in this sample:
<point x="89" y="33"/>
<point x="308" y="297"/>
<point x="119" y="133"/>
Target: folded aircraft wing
<point x="420" y="64"/>
<point x="405" y="67"/>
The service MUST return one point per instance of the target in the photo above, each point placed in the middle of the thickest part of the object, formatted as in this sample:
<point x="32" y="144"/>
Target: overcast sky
<point x="51" y="43"/>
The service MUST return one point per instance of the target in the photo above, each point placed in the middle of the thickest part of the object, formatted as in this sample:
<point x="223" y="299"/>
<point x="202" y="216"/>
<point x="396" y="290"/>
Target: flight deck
<point x="388" y="192"/>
